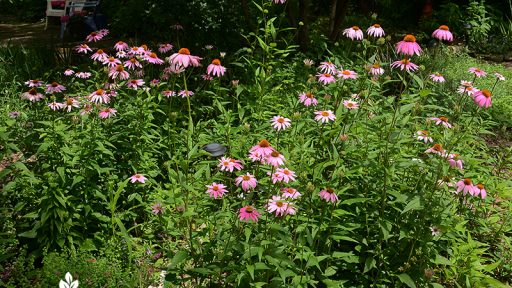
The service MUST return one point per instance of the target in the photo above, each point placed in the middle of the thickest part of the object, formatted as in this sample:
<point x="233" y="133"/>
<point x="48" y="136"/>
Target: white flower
<point x="69" y="282"/>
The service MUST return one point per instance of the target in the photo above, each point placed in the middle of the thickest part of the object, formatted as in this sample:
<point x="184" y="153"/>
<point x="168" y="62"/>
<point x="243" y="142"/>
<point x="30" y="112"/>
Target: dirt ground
<point x="30" y="33"/>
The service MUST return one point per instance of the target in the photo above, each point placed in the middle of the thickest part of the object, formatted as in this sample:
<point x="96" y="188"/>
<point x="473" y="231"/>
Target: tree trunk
<point x="247" y="17"/>
<point x="303" y="36"/>
<point x="338" y="11"/>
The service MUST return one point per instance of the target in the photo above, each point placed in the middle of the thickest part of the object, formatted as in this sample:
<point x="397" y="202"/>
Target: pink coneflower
<point x="423" y="136"/>
<point x="477" y="72"/>
<point x="279" y="1"/>
<point x="308" y="99"/>
<point x="437" y="77"/>
<point x="99" y="56"/>
<point x="132" y="63"/>
<point x="184" y="59"/>
<point x="107" y="112"/>
<point x="328" y="195"/>
<point x="443" y="33"/>
<point x="111" y="93"/>
<point x="121" y="54"/>
<point x="111" y="62"/>
<point x="14" y="114"/>
<point x="376" y="70"/>
<point x="408" y="46"/>
<point x="275" y="159"/>
<point x="83" y="75"/>
<point x="86" y="110"/>
<point x="34" y="83"/>
<point x="283" y="174"/>
<point x="135" y="83"/>
<point x="55" y="105"/>
<point x="351" y="105"/>
<point x="157" y="208"/>
<point x="442" y="120"/>
<point x="70" y="103"/>
<point x="256" y="156"/>
<point x="103" y="32"/>
<point x="139" y="73"/>
<point x="174" y="69"/>
<point x="499" y="76"/>
<point x="83" y="49"/>
<point x="347" y="74"/>
<point x="278" y="206"/>
<point x="164" y="48"/>
<point x="466" y="186"/>
<point x="247" y="181"/>
<point x="185" y="93"/>
<point x="326" y="78"/>
<point x="229" y="164"/>
<point x="436" y="149"/>
<point x="206" y="77"/>
<point x="153" y="59"/>
<point x="32" y="95"/>
<point x="216" y="190"/>
<point x="405" y="64"/>
<point x="248" y="213"/>
<point x="135" y="50"/>
<point x="69" y="72"/>
<point x="263" y="148"/>
<point x="118" y="71"/>
<point x="290" y="193"/>
<point x="480" y="190"/>
<point x="308" y="62"/>
<point x="121" y="46"/>
<point x="467" y="88"/>
<point x="54" y="87"/>
<point x="168" y="93"/>
<point x="435" y="231"/>
<point x="144" y="50"/>
<point x="375" y="31"/>
<point x="353" y="32"/>
<point x="154" y="82"/>
<point x="483" y="98"/>
<point x="138" y="178"/>
<point x="216" y="69"/>
<point x="455" y="161"/>
<point x="290" y="209"/>
<point x="324" y="116"/>
<point x="327" y="67"/>
<point x="445" y="181"/>
<point x="280" y="123"/>
<point x="98" y="96"/>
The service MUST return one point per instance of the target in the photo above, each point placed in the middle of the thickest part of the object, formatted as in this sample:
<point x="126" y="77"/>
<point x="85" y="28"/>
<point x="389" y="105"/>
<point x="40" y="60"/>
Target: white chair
<point x="54" y="12"/>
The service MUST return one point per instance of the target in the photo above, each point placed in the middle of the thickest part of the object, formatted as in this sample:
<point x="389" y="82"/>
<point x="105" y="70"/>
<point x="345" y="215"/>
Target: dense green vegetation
<point x="285" y="166"/>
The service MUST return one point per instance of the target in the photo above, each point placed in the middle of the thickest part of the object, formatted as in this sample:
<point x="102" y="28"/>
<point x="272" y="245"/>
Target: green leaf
<point x="414" y="204"/>
<point x="369" y="264"/>
<point x="406" y="279"/>
<point x="178" y="258"/>
<point x="250" y="269"/>
<point x="28" y="234"/>
<point x="441" y="260"/>
<point x="62" y="173"/>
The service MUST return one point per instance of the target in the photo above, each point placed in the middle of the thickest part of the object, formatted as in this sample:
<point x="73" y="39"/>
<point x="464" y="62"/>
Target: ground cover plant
<point x="368" y="166"/>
